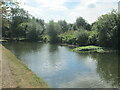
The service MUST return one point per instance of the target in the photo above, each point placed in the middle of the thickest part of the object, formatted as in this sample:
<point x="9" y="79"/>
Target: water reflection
<point x="53" y="48"/>
<point x="22" y="48"/>
<point x="107" y="67"/>
<point x="60" y="67"/>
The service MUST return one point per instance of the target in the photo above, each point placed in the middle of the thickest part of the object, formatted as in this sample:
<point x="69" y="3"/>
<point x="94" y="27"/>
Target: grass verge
<point x="23" y="76"/>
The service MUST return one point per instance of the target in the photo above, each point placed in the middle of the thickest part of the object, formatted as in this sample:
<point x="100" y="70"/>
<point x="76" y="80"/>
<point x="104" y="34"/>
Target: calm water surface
<point x="61" y="68"/>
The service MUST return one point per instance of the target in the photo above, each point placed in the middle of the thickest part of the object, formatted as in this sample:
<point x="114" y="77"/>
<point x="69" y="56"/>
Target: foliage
<point x="82" y="37"/>
<point x="42" y="23"/>
<point x="6" y="6"/>
<point x="34" y="30"/>
<point x="82" y="24"/>
<point x="63" y="26"/>
<point x="53" y="29"/>
<point x="18" y="23"/>
<point x="68" y="37"/>
<point x="75" y="37"/>
<point x="93" y="38"/>
<point x="18" y="16"/>
<point x="45" y="38"/>
<point x="107" y="28"/>
<point x="6" y="32"/>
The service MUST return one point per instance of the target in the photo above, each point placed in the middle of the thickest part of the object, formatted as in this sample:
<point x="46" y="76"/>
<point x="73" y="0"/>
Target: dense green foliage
<point x="53" y="29"/>
<point x="107" y="28"/>
<point x="82" y="24"/>
<point x="18" y="23"/>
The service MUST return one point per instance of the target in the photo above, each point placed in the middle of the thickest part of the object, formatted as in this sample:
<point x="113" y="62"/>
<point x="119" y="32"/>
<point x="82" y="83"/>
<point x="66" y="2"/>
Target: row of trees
<point x="18" y="23"/>
<point x="103" y="32"/>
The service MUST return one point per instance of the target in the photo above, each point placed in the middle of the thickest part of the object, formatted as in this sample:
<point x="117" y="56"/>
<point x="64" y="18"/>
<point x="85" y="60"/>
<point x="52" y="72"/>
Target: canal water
<point x="59" y="67"/>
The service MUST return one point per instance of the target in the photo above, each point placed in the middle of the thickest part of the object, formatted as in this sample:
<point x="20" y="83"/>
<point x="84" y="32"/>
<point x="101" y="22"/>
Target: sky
<point x="69" y="10"/>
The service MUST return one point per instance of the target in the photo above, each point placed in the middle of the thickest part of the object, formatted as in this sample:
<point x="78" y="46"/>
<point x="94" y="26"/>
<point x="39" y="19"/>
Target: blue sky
<point x="68" y="10"/>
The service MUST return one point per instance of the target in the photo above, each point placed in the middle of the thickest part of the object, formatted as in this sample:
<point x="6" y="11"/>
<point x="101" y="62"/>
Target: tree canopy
<point x="18" y="23"/>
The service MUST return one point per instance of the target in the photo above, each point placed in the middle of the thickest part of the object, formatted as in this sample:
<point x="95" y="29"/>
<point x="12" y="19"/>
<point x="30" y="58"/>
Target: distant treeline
<point x="19" y="24"/>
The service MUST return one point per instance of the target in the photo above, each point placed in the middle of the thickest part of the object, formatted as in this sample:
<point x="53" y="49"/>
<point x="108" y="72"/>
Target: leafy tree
<point x="93" y="38"/>
<point x="82" y="24"/>
<point x="63" y="25"/>
<point x="22" y="29"/>
<point x="18" y="16"/>
<point x="70" y="27"/>
<point x="68" y="37"/>
<point x="82" y="37"/>
<point x="6" y="32"/>
<point x="42" y="23"/>
<point x="53" y="29"/>
<point x="34" y="30"/>
<point x="107" y="28"/>
<point x="6" y="6"/>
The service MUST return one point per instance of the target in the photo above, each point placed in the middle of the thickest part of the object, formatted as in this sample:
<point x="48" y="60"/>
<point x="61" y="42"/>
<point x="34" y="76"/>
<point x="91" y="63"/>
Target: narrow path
<point x="8" y="79"/>
<point x="15" y="74"/>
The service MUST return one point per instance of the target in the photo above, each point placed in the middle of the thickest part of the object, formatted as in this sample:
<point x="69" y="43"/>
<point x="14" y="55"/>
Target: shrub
<point x="93" y="38"/>
<point x="82" y="37"/>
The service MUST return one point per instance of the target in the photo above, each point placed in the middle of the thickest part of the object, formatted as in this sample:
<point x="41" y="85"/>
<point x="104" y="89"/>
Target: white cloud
<point x="56" y="9"/>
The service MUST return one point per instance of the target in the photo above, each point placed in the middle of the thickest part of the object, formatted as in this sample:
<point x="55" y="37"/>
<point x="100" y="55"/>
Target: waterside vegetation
<point x="92" y="49"/>
<point x="19" y="25"/>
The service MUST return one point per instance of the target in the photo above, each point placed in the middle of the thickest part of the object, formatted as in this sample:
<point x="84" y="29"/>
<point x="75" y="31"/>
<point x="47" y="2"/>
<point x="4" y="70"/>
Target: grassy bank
<point x="22" y="76"/>
<point x="91" y="49"/>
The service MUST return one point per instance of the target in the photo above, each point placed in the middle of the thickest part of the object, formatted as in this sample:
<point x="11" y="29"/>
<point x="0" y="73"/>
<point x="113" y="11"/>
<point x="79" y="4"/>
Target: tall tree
<point x="18" y="16"/>
<point x="107" y="27"/>
<point x="53" y="29"/>
<point x="64" y="26"/>
<point x="82" y="24"/>
<point x="42" y="23"/>
<point x="6" y="6"/>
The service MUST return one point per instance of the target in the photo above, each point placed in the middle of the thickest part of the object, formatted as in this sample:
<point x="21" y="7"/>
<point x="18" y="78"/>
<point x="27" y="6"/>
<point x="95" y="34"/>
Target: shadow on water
<point x="22" y="48"/>
<point x="53" y="55"/>
<point x="53" y="48"/>
<point x="107" y="67"/>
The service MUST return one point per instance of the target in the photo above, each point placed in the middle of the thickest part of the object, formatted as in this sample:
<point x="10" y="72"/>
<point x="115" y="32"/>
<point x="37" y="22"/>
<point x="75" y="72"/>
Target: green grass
<point x="22" y="72"/>
<point x="90" y="49"/>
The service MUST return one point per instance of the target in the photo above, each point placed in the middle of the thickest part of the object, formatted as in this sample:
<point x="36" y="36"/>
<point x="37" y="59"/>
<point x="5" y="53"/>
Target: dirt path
<point x="16" y="75"/>
<point x="8" y="79"/>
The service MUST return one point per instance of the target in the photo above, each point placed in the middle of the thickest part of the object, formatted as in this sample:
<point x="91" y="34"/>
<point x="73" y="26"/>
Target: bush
<point x="68" y="37"/>
<point x="82" y="37"/>
<point x="107" y="28"/>
<point x="33" y="31"/>
<point x="45" y="38"/>
<point x="93" y="38"/>
<point x="53" y="29"/>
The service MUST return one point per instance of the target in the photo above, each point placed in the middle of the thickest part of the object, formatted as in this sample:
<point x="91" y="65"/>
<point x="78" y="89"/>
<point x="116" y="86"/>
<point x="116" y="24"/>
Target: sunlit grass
<point x="84" y="49"/>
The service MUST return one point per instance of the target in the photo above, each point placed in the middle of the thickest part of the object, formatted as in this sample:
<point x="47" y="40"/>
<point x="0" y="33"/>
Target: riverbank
<point x="75" y="48"/>
<point x="15" y="74"/>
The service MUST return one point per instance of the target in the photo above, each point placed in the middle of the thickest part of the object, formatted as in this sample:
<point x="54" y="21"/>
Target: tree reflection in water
<point x="107" y="67"/>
